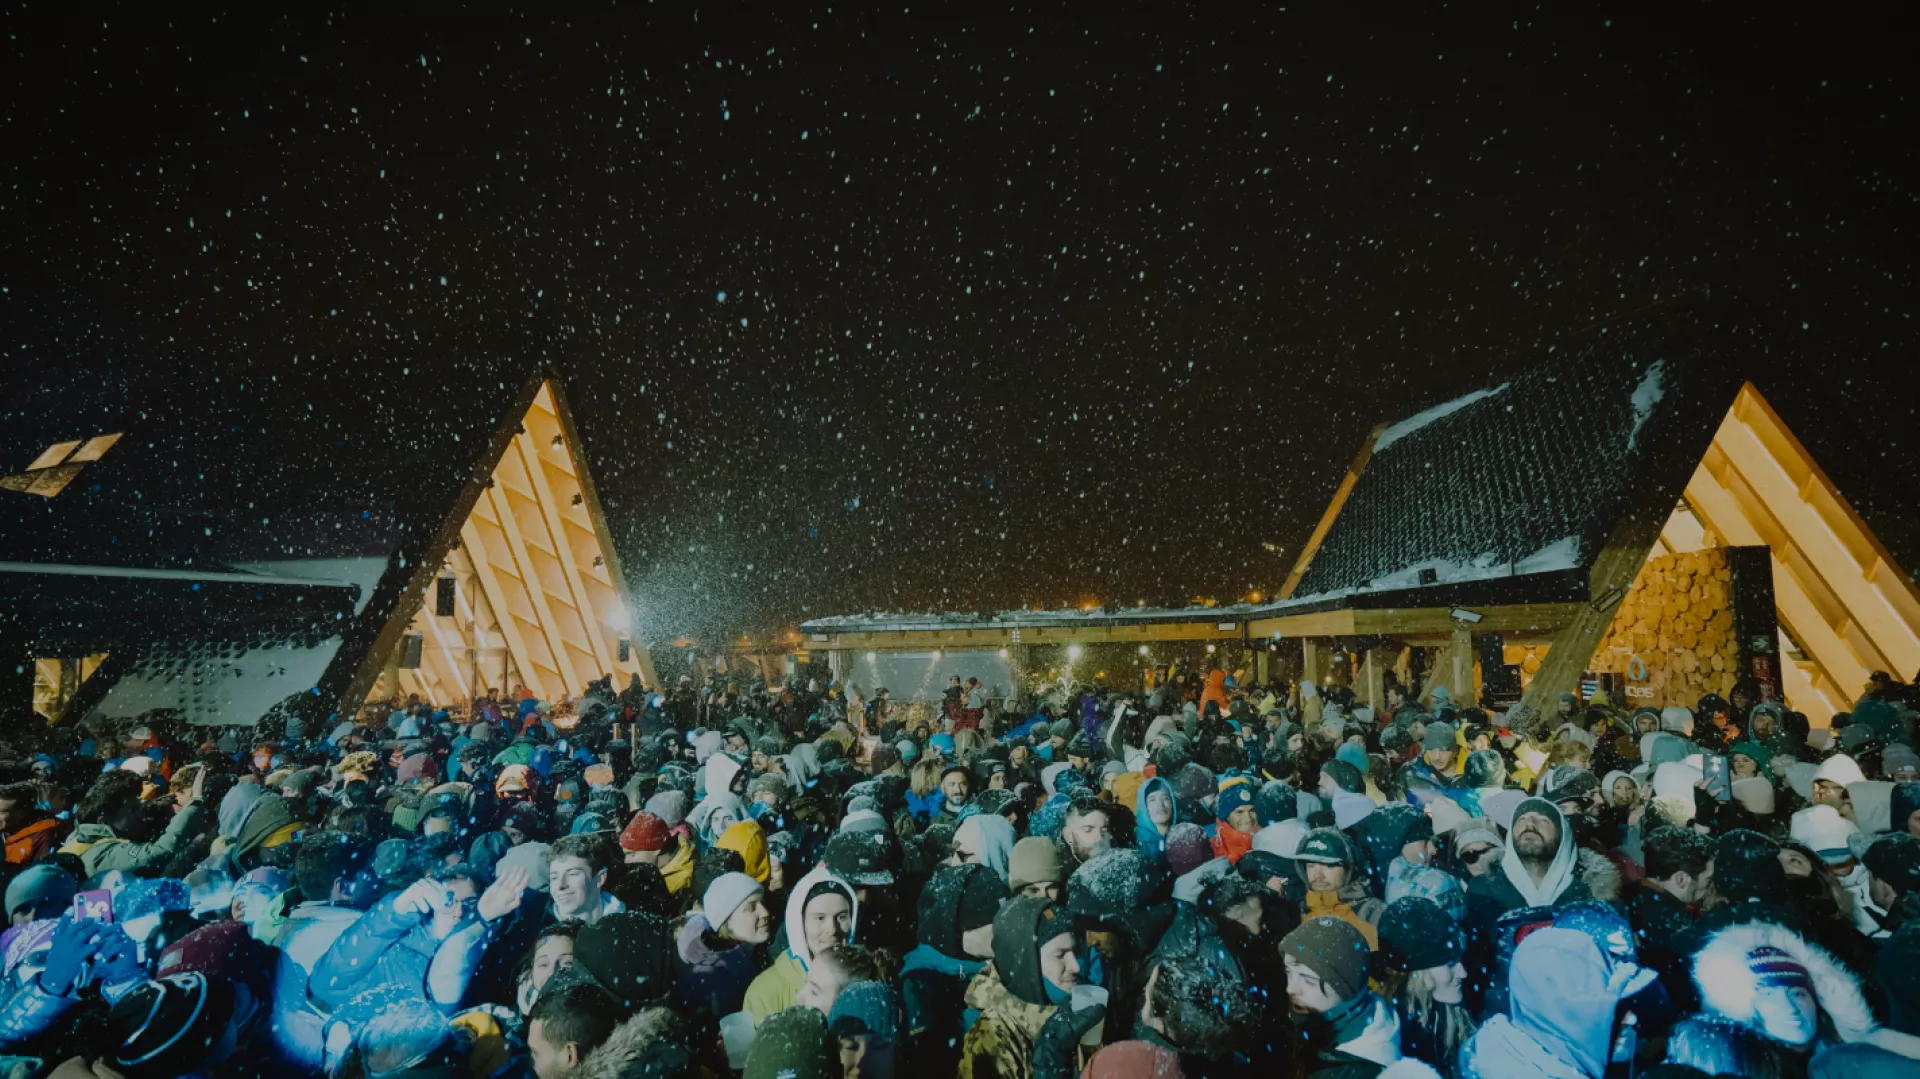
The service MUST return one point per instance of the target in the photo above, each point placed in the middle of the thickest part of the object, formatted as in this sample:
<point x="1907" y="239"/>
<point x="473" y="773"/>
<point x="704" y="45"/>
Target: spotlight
<point x="1073" y="651"/>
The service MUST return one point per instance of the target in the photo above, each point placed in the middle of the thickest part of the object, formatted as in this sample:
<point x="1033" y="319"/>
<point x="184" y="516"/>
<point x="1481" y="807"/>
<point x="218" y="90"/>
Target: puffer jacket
<point x="35" y="841"/>
<point x="386" y="947"/>
<point x="1000" y="1043"/>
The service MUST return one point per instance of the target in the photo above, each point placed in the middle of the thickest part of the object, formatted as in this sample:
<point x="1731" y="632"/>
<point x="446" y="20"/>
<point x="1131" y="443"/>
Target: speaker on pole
<point x="443" y="596"/>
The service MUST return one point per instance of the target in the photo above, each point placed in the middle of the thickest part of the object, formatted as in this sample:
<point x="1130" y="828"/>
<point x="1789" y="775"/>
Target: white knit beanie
<point x="725" y="895"/>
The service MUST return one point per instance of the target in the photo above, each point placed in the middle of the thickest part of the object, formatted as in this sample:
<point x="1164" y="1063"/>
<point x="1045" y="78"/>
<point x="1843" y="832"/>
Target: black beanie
<point x="166" y="1027"/>
<point x="1275" y="802"/>
<point x="1895" y="859"/>
<point x="955" y="900"/>
<point x="1345" y="776"/>
<point x="1416" y="934"/>
<point x="630" y="954"/>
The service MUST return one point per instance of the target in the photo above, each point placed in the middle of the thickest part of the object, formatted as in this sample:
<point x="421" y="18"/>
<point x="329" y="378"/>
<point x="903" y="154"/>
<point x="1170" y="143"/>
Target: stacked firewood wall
<point x="1672" y="639"/>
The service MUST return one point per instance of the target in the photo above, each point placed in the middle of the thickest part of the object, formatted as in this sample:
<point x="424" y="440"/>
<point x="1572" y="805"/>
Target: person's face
<point x="1058" y="964"/>
<point x="722" y="820"/>
<point x="1827" y="792"/>
<point x="1248" y="915"/>
<point x="454" y="907"/>
<point x="641" y="857"/>
<point x="1045" y="889"/>
<point x="1087" y="835"/>
<point x="1795" y="863"/>
<point x="751" y="922"/>
<point x="1535" y="836"/>
<point x="13" y="815"/>
<point x="1744" y="766"/>
<point x="1295" y="741"/>
<point x="776" y="876"/>
<point x="828" y="921"/>
<point x="1018" y="756"/>
<point x="550" y="1061"/>
<point x="1244" y="819"/>
<point x="1160" y="808"/>
<point x="575" y="888"/>
<point x="1478" y="858"/>
<point x="554" y="953"/>
<point x="1419" y="852"/>
<point x="1328" y="788"/>
<point x="1440" y="759"/>
<point x="1322" y="877"/>
<point x="822" y="988"/>
<point x="1305" y="989"/>
<point x="1762" y="724"/>
<point x="1787" y="1013"/>
<point x="1449" y="983"/>
<point x="1625" y="793"/>
<point x="760" y="761"/>
<point x="863" y="1058"/>
<point x="1913" y="823"/>
<point x="956" y="788"/>
<point x="1645" y="724"/>
<point x="978" y="942"/>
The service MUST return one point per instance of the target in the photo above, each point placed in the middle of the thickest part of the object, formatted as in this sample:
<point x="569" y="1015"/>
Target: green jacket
<point x="100" y="850"/>
<point x="776" y="987"/>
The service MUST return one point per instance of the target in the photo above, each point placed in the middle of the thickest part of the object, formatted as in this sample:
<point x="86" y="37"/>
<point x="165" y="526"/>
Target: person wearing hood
<point x="1538" y="870"/>
<point x="985" y="838"/>
<point x="1433" y="771"/>
<point x="1768" y="978"/>
<point x="1326" y="861"/>
<point x="955" y="941"/>
<point x="1236" y="821"/>
<point x="714" y="815"/>
<point x="1563" y="993"/>
<point x="1154" y="816"/>
<point x="1033" y="973"/>
<point x="824" y="911"/>
<point x="1350" y="1032"/>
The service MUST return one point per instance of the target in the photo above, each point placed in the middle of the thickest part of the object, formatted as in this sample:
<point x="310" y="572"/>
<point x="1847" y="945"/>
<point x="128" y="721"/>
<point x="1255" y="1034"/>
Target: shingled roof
<point x="1521" y="482"/>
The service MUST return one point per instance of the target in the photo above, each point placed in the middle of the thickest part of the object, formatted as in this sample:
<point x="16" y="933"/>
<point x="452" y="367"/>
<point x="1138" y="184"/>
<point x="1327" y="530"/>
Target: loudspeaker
<point x="626" y="649"/>
<point x="410" y="651"/>
<point x="443" y="596"/>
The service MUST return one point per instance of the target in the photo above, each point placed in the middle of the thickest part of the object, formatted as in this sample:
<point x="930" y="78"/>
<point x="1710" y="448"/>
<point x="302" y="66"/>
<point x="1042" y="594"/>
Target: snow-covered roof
<point x="1521" y="479"/>
<point x="893" y="621"/>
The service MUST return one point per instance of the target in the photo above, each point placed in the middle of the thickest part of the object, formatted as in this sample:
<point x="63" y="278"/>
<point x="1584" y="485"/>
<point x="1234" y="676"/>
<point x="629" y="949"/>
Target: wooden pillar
<point x="1461" y="674"/>
<point x="1260" y="667"/>
<point x="1370" y="690"/>
<point x="1313" y="660"/>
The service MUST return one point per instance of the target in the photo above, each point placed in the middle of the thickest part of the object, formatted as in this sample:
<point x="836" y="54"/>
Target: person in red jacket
<point x="28" y="833"/>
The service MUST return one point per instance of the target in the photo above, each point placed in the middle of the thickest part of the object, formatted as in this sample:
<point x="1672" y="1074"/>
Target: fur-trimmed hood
<point x="1728" y="987"/>
<point x="631" y="1047"/>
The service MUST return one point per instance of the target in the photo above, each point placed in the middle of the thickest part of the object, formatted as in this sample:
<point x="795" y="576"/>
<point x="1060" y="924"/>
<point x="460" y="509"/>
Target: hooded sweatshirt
<point x="1514" y="886"/>
<point x="1011" y="995"/>
<point x="992" y="835"/>
<point x="1563" y="996"/>
<point x="1150" y="839"/>
<point x="777" y="986"/>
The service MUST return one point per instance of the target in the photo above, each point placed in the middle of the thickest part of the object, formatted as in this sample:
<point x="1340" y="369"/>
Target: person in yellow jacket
<point x="822" y="912"/>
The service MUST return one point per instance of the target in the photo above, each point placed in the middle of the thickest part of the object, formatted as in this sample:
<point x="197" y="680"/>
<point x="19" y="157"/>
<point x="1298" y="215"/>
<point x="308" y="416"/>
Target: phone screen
<point x="1719" y="780"/>
<point x="94" y="905"/>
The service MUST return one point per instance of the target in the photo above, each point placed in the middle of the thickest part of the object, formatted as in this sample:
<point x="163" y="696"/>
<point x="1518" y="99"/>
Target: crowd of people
<point x="1213" y="878"/>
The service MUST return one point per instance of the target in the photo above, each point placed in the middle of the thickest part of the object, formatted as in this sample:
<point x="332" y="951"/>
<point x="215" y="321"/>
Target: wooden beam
<point x="1405" y="622"/>
<point x="576" y="595"/>
<point x="1313" y="660"/>
<point x="1614" y="569"/>
<point x="529" y="575"/>
<point x="1318" y="624"/>
<point x="596" y="515"/>
<point x="1320" y="530"/>
<point x="497" y="599"/>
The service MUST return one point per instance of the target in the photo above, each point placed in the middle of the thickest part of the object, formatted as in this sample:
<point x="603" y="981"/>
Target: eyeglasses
<point x="1474" y="855"/>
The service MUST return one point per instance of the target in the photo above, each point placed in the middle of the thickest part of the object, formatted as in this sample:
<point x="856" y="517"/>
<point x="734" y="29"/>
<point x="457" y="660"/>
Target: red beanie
<point x="223" y="950"/>
<point x="645" y="832"/>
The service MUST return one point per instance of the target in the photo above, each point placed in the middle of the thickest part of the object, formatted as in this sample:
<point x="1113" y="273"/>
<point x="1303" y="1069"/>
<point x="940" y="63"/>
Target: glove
<point x="1055" y="1048"/>
<point x="74" y="944"/>
<point x="118" y="961"/>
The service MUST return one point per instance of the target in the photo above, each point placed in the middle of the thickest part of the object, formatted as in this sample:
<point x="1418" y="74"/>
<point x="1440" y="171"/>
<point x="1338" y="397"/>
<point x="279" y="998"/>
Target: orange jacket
<point x="36" y="840"/>
<point x="1216" y="692"/>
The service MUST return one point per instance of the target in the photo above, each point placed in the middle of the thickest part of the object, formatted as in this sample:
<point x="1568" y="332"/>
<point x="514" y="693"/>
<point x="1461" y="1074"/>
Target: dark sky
<point x="926" y="311"/>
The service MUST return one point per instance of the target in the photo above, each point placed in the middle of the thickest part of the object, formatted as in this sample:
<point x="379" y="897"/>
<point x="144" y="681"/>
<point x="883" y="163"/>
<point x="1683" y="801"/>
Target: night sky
<point x="907" y="310"/>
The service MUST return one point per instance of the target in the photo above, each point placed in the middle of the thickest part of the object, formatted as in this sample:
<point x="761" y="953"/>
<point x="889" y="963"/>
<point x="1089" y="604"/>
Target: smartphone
<point x="93" y="905"/>
<point x="1719" y="779"/>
